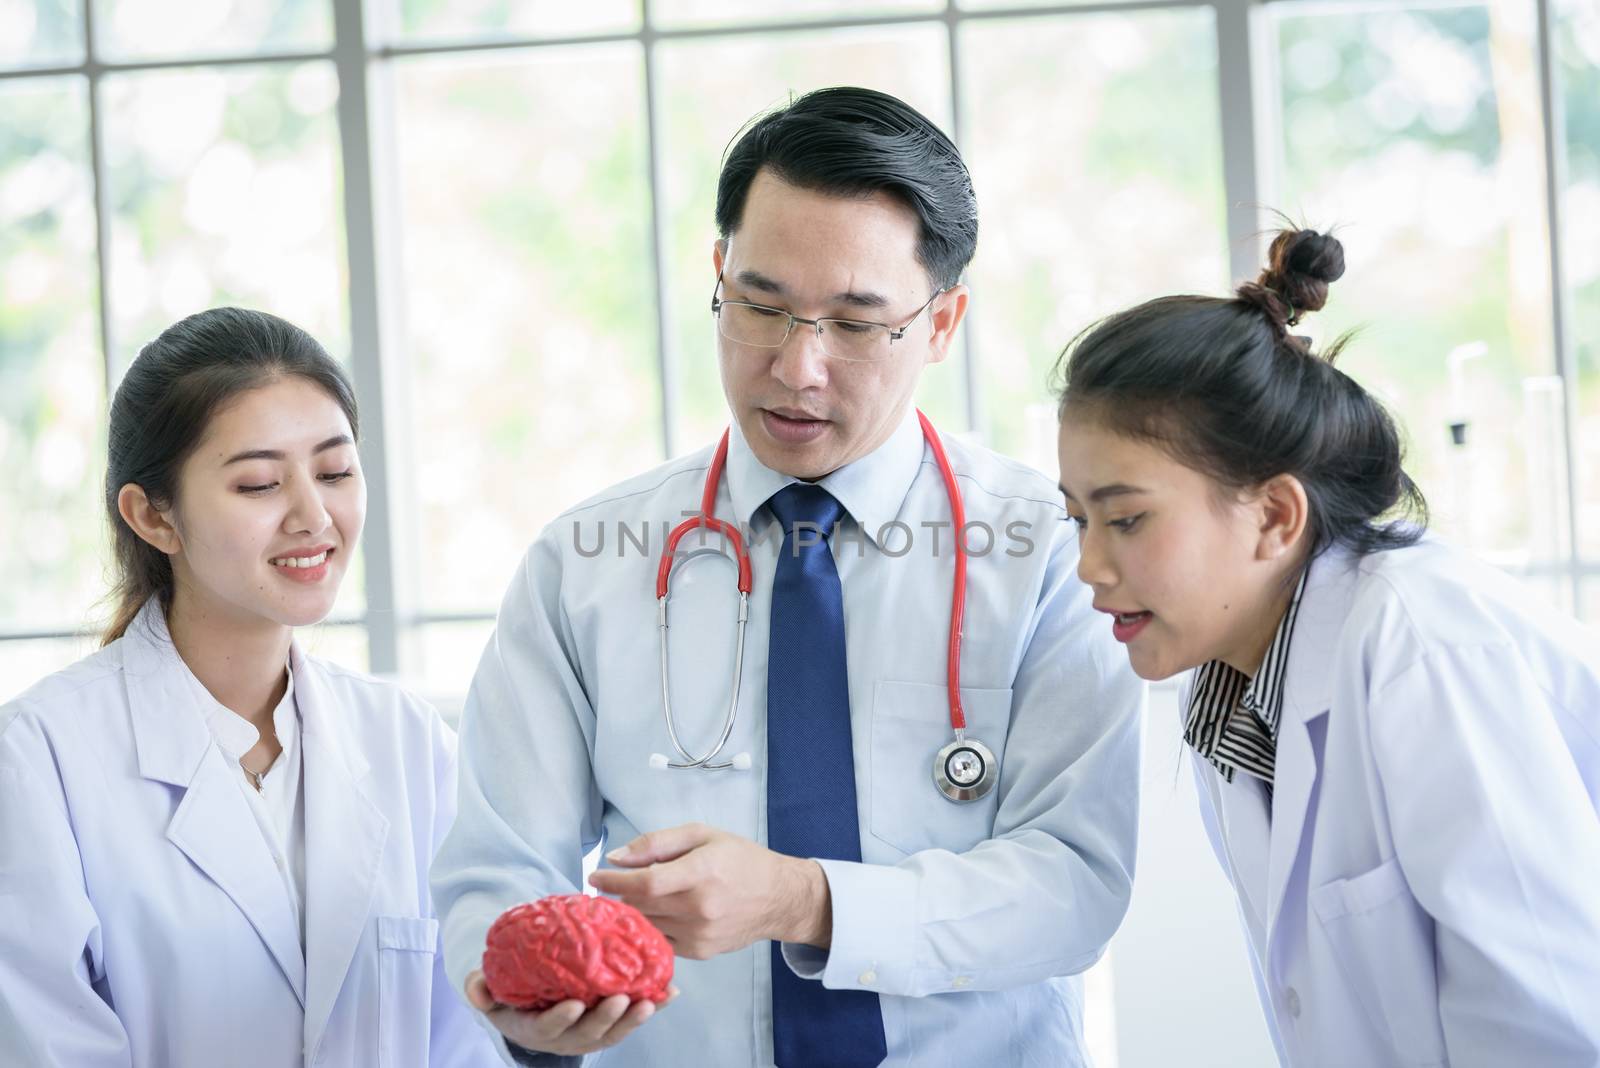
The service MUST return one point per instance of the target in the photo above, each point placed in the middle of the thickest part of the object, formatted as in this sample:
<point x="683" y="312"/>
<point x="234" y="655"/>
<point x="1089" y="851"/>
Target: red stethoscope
<point x="963" y="770"/>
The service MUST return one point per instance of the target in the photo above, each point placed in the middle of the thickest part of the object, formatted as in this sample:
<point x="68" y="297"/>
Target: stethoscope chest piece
<point x="965" y="770"/>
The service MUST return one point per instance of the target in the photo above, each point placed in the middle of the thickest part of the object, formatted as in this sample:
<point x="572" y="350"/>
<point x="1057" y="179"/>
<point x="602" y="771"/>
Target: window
<point x="1415" y="133"/>
<point x="40" y="33"/>
<point x="1095" y="146"/>
<point x="1576" y="52"/>
<point x="52" y="378"/>
<point x="222" y="185"/>
<point x="520" y="288"/>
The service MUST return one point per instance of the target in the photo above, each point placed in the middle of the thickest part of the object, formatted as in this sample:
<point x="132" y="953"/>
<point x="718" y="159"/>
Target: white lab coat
<point x="1428" y="889"/>
<point x="142" y="921"/>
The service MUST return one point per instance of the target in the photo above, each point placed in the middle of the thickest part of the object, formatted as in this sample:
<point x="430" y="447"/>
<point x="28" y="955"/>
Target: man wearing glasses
<point x="830" y="904"/>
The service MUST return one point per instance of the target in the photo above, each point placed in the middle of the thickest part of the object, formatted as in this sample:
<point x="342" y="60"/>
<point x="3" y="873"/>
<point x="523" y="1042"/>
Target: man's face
<point x="806" y="413"/>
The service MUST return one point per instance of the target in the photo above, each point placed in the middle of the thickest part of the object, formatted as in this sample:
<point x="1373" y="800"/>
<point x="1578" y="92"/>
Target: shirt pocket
<point x="406" y="947"/>
<point x="1384" y="945"/>
<point x="910" y="724"/>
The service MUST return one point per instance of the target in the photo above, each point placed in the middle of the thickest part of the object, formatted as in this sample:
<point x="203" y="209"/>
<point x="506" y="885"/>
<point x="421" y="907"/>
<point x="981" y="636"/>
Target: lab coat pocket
<point x="910" y="724"/>
<point x="406" y="946"/>
<point x="1384" y="944"/>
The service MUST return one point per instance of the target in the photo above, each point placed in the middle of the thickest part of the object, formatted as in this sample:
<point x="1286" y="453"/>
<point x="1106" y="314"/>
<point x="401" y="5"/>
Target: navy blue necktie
<point x="811" y="777"/>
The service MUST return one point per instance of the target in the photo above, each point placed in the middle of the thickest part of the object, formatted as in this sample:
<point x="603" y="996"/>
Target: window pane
<point x="37" y="33"/>
<point x="143" y="29"/>
<point x="989" y="5"/>
<point x="1551" y="588"/>
<point x="489" y="19"/>
<point x="344" y="644"/>
<point x="675" y="14"/>
<point x="24" y="662"/>
<point x="440" y="659"/>
<point x="52" y="377"/>
<point x="1577" y="54"/>
<point x="708" y="89"/>
<point x="352" y="600"/>
<point x="528" y="301"/>
<point x="1128" y="204"/>
<point x="224" y="188"/>
<point x="1419" y="132"/>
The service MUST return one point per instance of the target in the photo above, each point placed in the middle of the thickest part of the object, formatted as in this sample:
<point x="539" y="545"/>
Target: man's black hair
<point x="847" y="142"/>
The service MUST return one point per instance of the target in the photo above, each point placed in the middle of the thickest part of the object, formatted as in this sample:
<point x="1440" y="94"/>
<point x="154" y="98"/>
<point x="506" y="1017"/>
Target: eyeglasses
<point x="762" y="327"/>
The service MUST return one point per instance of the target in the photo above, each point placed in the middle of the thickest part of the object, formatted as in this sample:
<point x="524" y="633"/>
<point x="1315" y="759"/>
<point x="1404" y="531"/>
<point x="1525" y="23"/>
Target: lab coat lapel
<point x="1294" y="780"/>
<point x="1242" y="812"/>
<point x="212" y="825"/>
<point x="1307" y="699"/>
<point x="345" y="835"/>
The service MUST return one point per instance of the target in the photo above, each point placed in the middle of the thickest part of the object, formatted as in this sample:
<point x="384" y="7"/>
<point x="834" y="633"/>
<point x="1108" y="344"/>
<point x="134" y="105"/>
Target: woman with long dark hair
<point x="1397" y="748"/>
<point x="213" y="846"/>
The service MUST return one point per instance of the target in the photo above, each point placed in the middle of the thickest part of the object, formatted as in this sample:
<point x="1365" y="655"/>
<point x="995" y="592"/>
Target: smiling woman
<point x="192" y="485"/>
<point x="236" y="496"/>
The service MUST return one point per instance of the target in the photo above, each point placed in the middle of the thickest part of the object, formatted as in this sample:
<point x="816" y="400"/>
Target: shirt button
<point x="868" y="977"/>
<point x="961" y="980"/>
<point x="1291" y="1001"/>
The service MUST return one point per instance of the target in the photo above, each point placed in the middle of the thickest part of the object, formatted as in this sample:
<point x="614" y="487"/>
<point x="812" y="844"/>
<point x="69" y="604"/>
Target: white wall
<point x="1182" y="982"/>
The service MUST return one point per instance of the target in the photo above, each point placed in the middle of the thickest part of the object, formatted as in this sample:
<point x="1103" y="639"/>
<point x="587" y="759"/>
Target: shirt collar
<point x="1213" y="725"/>
<point x="236" y="735"/>
<point x="286" y="725"/>
<point x="286" y="717"/>
<point x="871" y="489"/>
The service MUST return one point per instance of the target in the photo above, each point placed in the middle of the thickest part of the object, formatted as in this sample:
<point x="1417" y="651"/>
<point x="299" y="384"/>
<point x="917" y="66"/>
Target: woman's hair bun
<point x="1300" y="266"/>
<point x="1224" y="389"/>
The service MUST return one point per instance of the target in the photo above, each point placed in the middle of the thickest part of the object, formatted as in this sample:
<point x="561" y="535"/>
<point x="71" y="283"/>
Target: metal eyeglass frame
<point x="894" y="334"/>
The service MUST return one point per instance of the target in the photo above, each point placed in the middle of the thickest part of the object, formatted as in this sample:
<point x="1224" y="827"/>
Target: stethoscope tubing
<point x="707" y="520"/>
<point x="690" y="761"/>
<point x="958" y="585"/>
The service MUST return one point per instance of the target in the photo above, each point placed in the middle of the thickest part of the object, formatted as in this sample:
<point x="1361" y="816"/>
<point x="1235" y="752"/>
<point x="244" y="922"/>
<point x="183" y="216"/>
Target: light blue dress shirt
<point x="972" y="921"/>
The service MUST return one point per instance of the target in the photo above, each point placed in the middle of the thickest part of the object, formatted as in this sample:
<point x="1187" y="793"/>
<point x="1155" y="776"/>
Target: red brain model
<point x="575" y="946"/>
